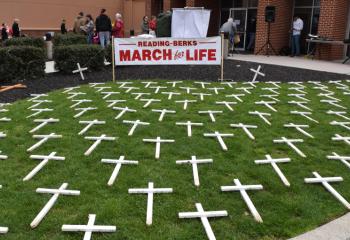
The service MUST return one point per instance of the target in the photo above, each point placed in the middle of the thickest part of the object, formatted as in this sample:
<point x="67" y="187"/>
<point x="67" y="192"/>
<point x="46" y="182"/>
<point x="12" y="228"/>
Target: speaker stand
<point x="268" y="44"/>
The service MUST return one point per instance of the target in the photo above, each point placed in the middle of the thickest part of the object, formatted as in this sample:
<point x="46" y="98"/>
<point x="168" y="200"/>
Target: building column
<point x="280" y="35"/>
<point x="332" y="24"/>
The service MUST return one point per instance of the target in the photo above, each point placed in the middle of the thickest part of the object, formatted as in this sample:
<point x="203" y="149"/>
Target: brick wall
<point x="333" y="22"/>
<point x="169" y="4"/>
<point x="279" y="29"/>
<point x="214" y="24"/>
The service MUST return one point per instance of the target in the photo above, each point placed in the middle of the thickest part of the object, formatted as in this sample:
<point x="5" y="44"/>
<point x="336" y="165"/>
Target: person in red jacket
<point x="118" y="27"/>
<point x="153" y="25"/>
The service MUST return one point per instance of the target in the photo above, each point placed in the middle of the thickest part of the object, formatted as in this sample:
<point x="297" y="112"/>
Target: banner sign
<point x="167" y="51"/>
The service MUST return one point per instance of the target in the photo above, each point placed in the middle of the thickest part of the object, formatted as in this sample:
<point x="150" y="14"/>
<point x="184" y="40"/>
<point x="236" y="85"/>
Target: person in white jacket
<point x="298" y="26"/>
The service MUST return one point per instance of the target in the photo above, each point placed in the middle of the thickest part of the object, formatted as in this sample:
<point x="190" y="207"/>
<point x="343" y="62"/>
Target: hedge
<point x="90" y="56"/>
<point x="21" y="62"/>
<point x="25" y="41"/>
<point x="69" y="39"/>
<point x="108" y="53"/>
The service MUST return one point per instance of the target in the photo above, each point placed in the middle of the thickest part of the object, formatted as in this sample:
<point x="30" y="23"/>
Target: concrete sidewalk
<point x="296" y="62"/>
<point x="338" y="229"/>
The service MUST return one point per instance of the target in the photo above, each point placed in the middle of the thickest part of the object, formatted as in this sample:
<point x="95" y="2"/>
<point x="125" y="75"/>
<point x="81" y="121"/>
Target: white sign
<point x="167" y="51"/>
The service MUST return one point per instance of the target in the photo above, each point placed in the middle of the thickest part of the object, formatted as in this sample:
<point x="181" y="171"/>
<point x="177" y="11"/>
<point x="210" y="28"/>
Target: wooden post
<point x="113" y="60"/>
<point x="222" y="56"/>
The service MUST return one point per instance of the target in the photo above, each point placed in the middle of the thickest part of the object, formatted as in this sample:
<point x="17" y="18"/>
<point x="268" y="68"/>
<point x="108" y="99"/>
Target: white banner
<point x="167" y="51"/>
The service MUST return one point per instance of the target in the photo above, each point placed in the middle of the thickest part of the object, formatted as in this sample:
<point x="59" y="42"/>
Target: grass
<point x="286" y="212"/>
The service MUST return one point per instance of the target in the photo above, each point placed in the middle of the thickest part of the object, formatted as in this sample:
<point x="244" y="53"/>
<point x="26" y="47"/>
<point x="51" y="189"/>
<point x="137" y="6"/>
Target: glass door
<point x="239" y="16"/>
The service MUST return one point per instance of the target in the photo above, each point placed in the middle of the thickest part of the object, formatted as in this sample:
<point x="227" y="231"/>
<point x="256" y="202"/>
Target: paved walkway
<point x="297" y="62"/>
<point x="338" y="229"/>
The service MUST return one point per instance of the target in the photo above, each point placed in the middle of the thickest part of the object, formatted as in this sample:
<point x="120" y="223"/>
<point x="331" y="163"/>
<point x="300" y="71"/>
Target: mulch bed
<point x="234" y="70"/>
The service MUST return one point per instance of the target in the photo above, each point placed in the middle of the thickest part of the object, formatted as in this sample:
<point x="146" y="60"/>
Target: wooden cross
<point x="290" y="143"/>
<point x="186" y="102"/>
<point x="139" y="95"/>
<point x="236" y="96"/>
<point x="338" y="137"/>
<point x="173" y="83"/>
<point x="38" y="111"/>
<point x="38" y="103"/>
<point x="273" y="162"/>
<point x="75" y="94"/>
<point x="114" y="102"/>
<point x="89" y="125"/>
<point x="243" y="190"/>
<point x="325" y="182"/>
<point x="3" y="157"/>
<point x="202" y="84"/>
<point x="56" y="193"/>
<point x="80" y="70"/>
<point x="262" y="116"/>
<point x="219" y="136"/>
<point x="343" y="159"/>
<point x="305" y="115"/>
<point x="342" y="124"/>
<point x="45" y="160"/>
<point x="135" y="125"/>
<point x="171" y="94"/>
<point x="150" y="191"/>
<point x="188" y="89"/>
<point x="157" y="88"/>
<point x="149" y="101"/>
<point x="123" y="111"/>
<point x="16" y="86"/>
<point x="108" y="94"/>
<point x="201" y="95"/>
<point x="267" y="104"/>
<point x="194" y="162"/>
<point x="300" y="104"/>
<point x="227" y="104"/>
<point x="189" y="125"/>
<point x="245" y="89"/>
<point x="121" y="161"/>
<point x="245" y="129"/>
<point x="97" y="140"/>
<point x="43" y="122"/>
<point x="339" y="114"/>
<point x="83" y="110"/>
<point x="89" y="228"/>
<point x="257" y="73"/>
<point x="216" y="90"/>
<point x="204" y="215"/>
<point x="158" y="141"/>
<point x="44" y="138"/>
<point x="211" y="114"/>
<point x="299" y="128"/>
<point x="147" y="84"/>
<point x="162" y="113"/>
<point x="80" y="101"/>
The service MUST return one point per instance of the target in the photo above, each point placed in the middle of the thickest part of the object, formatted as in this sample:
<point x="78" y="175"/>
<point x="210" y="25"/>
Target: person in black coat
<point x="104" y="28"/>
<point x="4" y="34"/>
<point x="63" y="27"/>
<point x="15" y="29"/>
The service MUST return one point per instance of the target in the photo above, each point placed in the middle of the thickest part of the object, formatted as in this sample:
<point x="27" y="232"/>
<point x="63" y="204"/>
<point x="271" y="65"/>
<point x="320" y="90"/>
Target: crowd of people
<point x="7" y="32"/>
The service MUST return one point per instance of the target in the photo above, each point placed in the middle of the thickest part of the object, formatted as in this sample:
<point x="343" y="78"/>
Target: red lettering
<point x="157" y="55"/>
<point x="124" y="55"/>
<point x="146" y="55"/>
<point x="136" y="56"/>
<point x="202" y="54"/>
<point x="167" y="54"/>
<point x="211" y="55"/>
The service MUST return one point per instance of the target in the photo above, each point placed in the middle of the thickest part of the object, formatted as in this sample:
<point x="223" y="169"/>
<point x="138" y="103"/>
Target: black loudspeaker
<point x="270" y="12"/>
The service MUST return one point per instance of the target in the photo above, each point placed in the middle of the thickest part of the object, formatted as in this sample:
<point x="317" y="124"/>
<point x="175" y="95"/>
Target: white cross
<point x="44" y="138"/>
<point x="329" y="96"/>
<point x="38" y="111"/>
<point x="290" y="143"/>
<point x="38" y="103"/>
<point x="78" y="102"/>
<point x="299" y="96"/>
<point x="189" y="125"/>
<point x="139" y="95"/>
<point x="300" y="104"/>
<point x="114" y="102"/>
<point x="343" y="159"/>
<point x="188" y="89"/>
<point x="158" y="141"/>
<point x="149" y="101"/>
<point x="74" y="94"/>
<point x="36" y="96"/>
<point x="201" y="95"/>
<point x="173" y="83"/>
<point x="273" y="162"/>
<point x="342" y="124"/>
<point x="3" y="230"/>
<point x="147" y="84"/>
<point x="83" y="110"/>
<point x="122" y="84"/>
<point x="95" y="84"/>
<point x="3" y="110"/>
<point x="100" y="89"/>
<point x="118" y="166"/>
<point x="245" y="129"/>
<point x="43" y="122"/>
<point x="211" y="114"/>
<point x="271" y="89"/>
<point x="341" y="138"/>
<point x="325" y="182"/>
<point x="204" y="215"/>
<point x="45" y="160"/>
<point x="273" y="97"/>
<point x="267" y="104"/>
<point x="299" y="128"/>
<point x="97" y="140"/>
<point x="333" y="103"/>
<point x="80" y="70"/>
<point x="157" y="88"/>
<point x="108" y="94"/>
<point x="171" y="94"/>
<point x="227" y="104"/>
<point x="5" y="119"/>
<point x="202" y="84"/>
<point x="150" y="191"/>
<point x="2" y="135"/>
<point x="229" y="84"/>
<point x="69" y="89"/>
<point x="186" y="102"/>
<point x="262" y="116"/>
<point x="243" y="190"/>
<point x="135" y="125"/>
<point x="129" y="89"/>
<point x="245" y="89"/>
<point x="276" y="84"/>
<point x="162" y="113"/>
<point x="299" y="84"/>
<point x="305" y="115"/>
<point x="216" y="90"/>
<point x="89" y="125"/>
<point x="89" y="228"/>
<point x="257" y="72"/>
<point x="236" y="96"/>
<point x="3" y="157"/>
<point x="56" y="193"/>
<point x="123" y="111"/>
<point x="298" y="89"/>
<point x="253" y="84"/>
<point x="194" y="161"/>
<point x="219" y="136"/>
<point x="339" y="114"/>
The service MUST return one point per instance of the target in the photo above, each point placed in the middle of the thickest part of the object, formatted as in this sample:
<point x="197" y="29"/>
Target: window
<point x="239" y="3"/>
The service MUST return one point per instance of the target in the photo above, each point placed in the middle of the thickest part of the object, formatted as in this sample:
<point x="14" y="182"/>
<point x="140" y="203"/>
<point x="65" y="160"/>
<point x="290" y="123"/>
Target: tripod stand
<point x="268" y="44"/>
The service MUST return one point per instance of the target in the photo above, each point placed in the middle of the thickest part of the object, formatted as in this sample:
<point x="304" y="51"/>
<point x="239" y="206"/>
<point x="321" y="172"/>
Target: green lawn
<point x="286" y="212"/>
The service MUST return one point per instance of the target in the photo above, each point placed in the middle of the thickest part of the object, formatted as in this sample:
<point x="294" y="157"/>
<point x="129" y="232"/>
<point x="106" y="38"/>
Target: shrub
<point x="90" y="56"/>
<point x="69" y="39"/>
<point x="108" y="53"/>
<point x="25" y="41"/>
<point x="21" y="62"/>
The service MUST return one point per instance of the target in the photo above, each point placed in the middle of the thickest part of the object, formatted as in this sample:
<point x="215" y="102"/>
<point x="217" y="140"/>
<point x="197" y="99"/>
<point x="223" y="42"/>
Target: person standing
<point x="104" y="28"/>
<point x="4" y="34"/>
<point x="63" y="27"/>
<point x="145" y="25"/>
<point x="229" y="28"/>
<point x="89" y="28"/>
<point x="298" y="26"/>
<point x="153" y="26"/>
<point x="15" y="29"/>
<point x="78" y="23"/>
<point x="118" y="28"/>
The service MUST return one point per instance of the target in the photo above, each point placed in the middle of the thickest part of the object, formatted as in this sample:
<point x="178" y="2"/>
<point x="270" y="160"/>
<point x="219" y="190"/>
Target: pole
<point x="113" y="60"/>
<point x="222" y="57"/>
